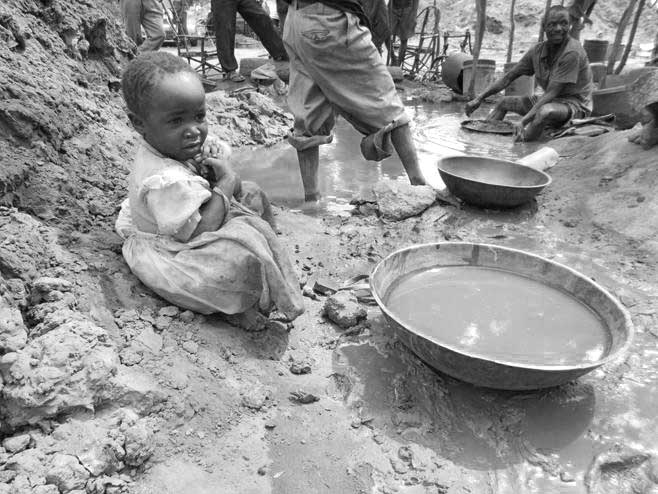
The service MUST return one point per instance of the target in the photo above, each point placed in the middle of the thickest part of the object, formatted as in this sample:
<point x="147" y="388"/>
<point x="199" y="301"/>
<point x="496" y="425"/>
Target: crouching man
<point x="561" y="69"/>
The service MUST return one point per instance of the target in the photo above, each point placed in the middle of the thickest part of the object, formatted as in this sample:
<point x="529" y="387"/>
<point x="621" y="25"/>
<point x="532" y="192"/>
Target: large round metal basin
<point x="477" y="368"/>
<point x="491" y="183"/>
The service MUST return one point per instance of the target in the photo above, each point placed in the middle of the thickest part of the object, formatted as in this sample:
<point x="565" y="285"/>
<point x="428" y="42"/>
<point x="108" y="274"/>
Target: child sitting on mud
<point x="190" y="230"/>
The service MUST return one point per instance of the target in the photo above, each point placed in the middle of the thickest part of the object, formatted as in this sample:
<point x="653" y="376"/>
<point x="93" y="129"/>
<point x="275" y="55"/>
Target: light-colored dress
<point x="237" y="267"/>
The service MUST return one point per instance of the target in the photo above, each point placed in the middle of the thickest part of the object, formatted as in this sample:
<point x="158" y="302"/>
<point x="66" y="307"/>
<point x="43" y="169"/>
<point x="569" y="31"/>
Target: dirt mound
<point x="70" y="353"/>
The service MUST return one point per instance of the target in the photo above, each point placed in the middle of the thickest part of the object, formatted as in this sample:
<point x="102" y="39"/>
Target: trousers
<point x="224" y="12"/>
<point x="147" y="14"/>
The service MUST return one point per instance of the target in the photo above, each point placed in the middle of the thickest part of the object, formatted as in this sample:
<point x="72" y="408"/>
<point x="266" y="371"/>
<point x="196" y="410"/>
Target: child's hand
<point x="216" y="169"/>
<point x="215" y="148"/>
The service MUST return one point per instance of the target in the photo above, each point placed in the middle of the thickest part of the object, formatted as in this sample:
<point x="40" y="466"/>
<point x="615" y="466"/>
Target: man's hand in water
<point x="471" y="106"/>
<point x="519" y="132"/>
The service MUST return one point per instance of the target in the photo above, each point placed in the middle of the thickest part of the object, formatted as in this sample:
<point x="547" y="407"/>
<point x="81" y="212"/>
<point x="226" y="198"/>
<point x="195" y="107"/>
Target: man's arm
<point x="517" y="71"/>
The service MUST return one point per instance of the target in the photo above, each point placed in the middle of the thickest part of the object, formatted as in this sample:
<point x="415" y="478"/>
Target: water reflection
<point x="343" y="170"/>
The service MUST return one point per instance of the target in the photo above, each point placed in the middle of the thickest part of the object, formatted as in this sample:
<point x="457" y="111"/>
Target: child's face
<point x="175" y="123"/>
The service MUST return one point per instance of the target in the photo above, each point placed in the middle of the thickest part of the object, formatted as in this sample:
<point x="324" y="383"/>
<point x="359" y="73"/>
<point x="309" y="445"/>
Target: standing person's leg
<point x="314" y="114"/>
<point x="131" y="11"/>
<point x="402" y="52"/>
<point x="224" y="15"/>
<point x="356" y="81"/>
<point x="152" y="16"/>
<point x="261" y="23"/>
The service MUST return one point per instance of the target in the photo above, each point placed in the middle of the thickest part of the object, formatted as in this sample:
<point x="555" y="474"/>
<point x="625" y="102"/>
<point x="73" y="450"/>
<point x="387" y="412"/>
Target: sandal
<point x="234" y="76"/>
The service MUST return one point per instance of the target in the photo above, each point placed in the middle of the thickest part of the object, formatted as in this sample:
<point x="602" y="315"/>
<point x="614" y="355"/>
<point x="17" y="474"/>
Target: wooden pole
<point x="541" y="24"/>
<point x="631" y="37"/>
<point x="481" y="10"/>
<point x="621" y="29"/>
<point x="510" y="45"/>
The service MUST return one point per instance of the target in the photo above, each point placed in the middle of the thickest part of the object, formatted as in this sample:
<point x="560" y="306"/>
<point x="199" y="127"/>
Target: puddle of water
<point x="476" y="428"/>
<point x="437" y="133"/>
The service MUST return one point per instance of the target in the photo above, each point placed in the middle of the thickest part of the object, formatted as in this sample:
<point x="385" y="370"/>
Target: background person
<point x="402" y="18"/>
<point x="335" y="68"/>
<point x="561" y="69"/>
<point x="147" y="14"/>
<point x="224" y="15"/>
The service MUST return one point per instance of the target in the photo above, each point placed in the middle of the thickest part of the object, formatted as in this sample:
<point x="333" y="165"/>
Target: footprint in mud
<point x="622" y="470"/>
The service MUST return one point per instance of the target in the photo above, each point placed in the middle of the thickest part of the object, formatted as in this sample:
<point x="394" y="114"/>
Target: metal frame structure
<point x="196" y="49"/>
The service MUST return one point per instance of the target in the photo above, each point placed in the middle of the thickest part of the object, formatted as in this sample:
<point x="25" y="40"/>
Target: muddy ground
<point x="106" y="388"/>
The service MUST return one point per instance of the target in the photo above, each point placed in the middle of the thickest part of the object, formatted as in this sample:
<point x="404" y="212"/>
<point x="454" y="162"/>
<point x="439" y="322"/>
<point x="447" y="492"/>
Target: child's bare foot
<point x="251" y="320"/>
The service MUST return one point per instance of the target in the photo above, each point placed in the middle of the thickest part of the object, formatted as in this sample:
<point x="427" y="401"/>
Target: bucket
<point x="521" y="86"/>
<point x="615" y="100"/>
<point x="486" y="75"/>
<point x="452" y="70"/>
<point x="598" y="71"/>
<point x="596" y="49"/>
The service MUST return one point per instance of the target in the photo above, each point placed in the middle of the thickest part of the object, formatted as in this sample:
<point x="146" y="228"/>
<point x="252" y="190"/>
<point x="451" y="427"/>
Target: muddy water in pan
<point x="499" y="315"/>
<point x="437" y="133"/>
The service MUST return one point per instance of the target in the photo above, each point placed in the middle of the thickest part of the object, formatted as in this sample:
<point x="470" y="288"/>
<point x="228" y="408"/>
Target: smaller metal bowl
<point x="491" y="183"/>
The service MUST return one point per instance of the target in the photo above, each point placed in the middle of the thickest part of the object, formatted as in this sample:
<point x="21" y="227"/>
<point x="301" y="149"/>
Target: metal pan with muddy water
<point x="499" y="317"/>
<point x="491" y="183"/>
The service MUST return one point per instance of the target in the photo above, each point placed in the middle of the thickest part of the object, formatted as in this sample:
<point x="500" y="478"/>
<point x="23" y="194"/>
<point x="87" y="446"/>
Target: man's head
<point x="166" y="104"/>
<point x="557" y="24"/>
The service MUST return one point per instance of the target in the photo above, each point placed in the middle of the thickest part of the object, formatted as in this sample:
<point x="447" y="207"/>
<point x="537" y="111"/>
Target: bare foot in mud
<point x="251" y="320"/>
<point x="312" y="197"/>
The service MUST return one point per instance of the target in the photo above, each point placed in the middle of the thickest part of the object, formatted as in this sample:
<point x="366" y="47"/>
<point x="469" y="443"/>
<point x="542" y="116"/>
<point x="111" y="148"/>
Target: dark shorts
<point x="523" y="104"/>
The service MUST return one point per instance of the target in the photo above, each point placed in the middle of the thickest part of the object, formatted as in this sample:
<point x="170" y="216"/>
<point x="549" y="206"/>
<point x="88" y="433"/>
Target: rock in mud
<point x="13" y="333"/>
<point x="191" y="347"/>
<point x="622" y="470"/>
<point x="169" y="311"/>
<point x="257" y="398"/>
<point x="303" y="398"/>
<point x="398" y="201"/>
<point x="344" y="309"/>
<point x="300" y="367"/>
<point x="139" y="444"/>
<point x="16" y="444"/>
<point x="65" y="369"/>
<point x="187" y="316"/>
<point x="66" y="473"/>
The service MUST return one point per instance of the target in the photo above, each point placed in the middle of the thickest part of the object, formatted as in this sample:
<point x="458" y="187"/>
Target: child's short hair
<point x="143" y="74"/>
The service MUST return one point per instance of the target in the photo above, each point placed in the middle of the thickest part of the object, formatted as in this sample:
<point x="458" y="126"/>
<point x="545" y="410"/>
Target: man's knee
<point x="553" y="113"/>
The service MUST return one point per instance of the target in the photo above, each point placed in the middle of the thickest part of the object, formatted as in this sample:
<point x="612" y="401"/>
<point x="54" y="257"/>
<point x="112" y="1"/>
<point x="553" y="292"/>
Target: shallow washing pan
<point x="476" y="366"/>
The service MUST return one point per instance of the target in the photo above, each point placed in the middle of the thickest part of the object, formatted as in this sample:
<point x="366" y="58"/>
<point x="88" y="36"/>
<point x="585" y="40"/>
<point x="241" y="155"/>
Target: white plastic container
<point x="542" y="159"/>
